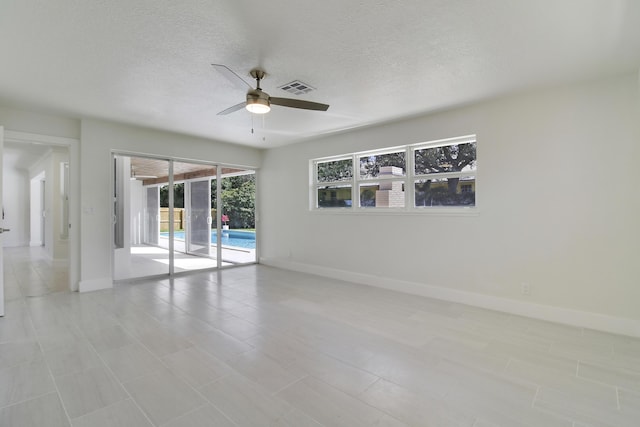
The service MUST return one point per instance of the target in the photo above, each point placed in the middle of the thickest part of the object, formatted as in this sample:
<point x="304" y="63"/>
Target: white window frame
<point x="316" y="185"/>
<point x="408" y="179"/>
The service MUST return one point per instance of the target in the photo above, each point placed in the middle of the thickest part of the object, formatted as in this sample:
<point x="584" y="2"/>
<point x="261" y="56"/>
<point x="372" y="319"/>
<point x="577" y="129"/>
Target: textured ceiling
<point x="148" y="62"/>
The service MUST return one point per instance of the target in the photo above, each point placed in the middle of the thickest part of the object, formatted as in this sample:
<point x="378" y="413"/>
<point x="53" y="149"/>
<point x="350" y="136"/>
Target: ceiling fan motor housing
<point x="258" y="101"/>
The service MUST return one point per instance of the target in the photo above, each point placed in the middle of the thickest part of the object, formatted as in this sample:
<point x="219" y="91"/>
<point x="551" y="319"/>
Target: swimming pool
<point x="239" y="239"/>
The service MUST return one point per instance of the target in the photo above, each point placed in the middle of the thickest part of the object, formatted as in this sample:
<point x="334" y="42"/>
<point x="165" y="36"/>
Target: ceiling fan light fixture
<point x="258" y="106"/>
<point x="259" y="102"/>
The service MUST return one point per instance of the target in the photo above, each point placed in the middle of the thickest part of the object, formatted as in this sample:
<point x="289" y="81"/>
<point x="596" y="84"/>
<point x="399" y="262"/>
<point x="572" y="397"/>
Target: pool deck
<point x="230" y="254"/>
<point x="146" y="260"/>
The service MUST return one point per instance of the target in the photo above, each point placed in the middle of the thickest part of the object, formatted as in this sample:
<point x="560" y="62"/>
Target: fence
<point x="179" y="218"/>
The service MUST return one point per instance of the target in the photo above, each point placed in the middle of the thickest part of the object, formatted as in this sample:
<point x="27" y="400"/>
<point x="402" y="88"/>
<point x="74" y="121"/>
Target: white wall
<point x="61" y="242"/>
<point x="21" y="120"/>
<point x="36" y="237"/>
<point x="557" y="198"/>
<point x="136" y="211"/>
<point x="98" y="140"/>
<point x="44" y="168"/>
<point x="15" y="201"/>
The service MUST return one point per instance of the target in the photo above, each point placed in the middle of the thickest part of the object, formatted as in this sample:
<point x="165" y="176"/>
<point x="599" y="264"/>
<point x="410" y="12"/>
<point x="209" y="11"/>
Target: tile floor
<point x="257" y="346"/>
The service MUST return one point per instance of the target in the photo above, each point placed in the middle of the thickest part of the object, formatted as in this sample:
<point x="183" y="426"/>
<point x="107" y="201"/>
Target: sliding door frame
<point x="171" y="216"/>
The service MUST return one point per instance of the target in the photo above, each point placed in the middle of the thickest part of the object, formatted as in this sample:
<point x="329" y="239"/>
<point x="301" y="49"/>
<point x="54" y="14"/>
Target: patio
<point x="146" y="260"/>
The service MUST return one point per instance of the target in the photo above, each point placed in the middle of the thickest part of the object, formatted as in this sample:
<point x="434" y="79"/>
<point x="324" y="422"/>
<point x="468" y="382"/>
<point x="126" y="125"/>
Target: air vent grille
<point x="297" y="87"/>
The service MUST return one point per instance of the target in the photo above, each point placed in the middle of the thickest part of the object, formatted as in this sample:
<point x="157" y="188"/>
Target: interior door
<point x="2" y="230"/>
<point x="199" y="217"/>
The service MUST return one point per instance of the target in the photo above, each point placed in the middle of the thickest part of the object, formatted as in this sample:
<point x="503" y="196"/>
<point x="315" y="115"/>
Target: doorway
<point x="39" y="249"/>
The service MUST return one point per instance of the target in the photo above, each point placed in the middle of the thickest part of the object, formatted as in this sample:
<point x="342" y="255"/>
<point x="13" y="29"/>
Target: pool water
<point x="239" y="239"/>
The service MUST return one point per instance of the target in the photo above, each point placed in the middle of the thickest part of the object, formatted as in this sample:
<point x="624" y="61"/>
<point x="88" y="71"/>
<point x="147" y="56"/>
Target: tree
<point x="449" y="158"/>
<point x="370" y="166"/>
<point x="238" y="200"/>
<point x="178" y="196"/>
<point x="338" y="170"/>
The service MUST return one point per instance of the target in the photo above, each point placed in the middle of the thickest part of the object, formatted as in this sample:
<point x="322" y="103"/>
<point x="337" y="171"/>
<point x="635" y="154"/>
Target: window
<point x="444" y="175"/>
<point x="388" y="169"/>
<point x="426" y="176"/>
<point x="333" y="178"/>
<point x="335" y="171"/>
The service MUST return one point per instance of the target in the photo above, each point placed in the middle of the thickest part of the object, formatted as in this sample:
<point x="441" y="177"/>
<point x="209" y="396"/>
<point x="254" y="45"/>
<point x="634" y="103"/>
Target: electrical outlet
<point x="526" y="289"/>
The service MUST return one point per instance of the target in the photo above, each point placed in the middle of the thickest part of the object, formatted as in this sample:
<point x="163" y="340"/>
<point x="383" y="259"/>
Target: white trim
<point x="567" y="316"/>
<point x="419" y="211"/>
<point x="444" y="142"/>
<point x="15" y="136"/>
<point x="95" y="284"/>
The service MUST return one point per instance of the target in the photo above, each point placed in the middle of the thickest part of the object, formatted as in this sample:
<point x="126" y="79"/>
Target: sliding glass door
<point x="177" y="216"/>
<point x="199" y="217"/>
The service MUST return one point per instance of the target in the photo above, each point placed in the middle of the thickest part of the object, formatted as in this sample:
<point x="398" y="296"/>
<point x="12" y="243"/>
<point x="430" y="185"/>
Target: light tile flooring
<point x="257" y="346"/>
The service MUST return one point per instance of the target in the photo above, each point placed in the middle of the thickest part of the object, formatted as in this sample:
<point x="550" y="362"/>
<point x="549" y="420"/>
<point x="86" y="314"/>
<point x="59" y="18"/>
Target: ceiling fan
<point x="258" y="101"/>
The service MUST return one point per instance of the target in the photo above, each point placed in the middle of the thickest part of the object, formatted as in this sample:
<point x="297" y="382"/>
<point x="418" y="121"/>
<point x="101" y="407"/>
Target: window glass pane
<point x="450" y="158"/>
<point x="238" y="216"/>
<point x="392" y="164"/>
<point x="335" y="170"/>
<point x="388" y="194"/>
<point x="446" y="192"/>
<point x="334" y="196"/>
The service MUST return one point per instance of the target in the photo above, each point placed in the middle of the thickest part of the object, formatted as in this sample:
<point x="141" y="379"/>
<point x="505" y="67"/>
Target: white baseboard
<point x="567" y="316"/>
<point x="34" y="243"/>
<point x="95" y="284"/>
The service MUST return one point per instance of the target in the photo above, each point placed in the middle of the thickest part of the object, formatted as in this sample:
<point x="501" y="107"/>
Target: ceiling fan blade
<point x="231" y="75"/>
<point x="232" y="109"/>
<point x="297" y="103"/>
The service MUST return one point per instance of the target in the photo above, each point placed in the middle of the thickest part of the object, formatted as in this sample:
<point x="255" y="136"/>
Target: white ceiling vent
<point x="297" y="87"/>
